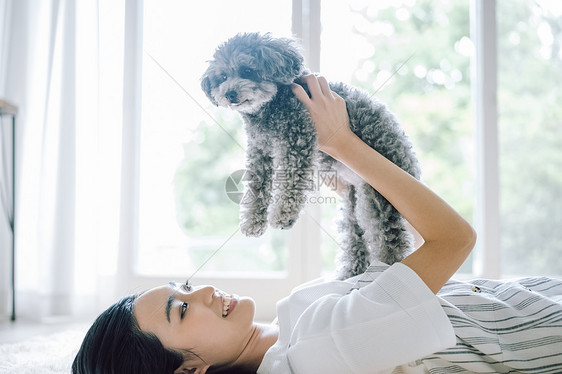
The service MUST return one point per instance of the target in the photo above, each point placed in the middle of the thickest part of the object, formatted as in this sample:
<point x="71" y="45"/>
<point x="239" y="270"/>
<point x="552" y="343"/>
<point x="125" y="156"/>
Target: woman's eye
<point x="183" y="309"/>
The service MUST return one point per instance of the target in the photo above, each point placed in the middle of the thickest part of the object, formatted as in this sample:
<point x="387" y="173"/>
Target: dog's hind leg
<point x="354" y="255"/>
<point x="385" y="229"/>
<point x="254" y="205"/>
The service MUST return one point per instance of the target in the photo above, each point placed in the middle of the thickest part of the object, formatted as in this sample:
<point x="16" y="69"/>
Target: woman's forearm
<point x="430" y="215"/>
<point x="448" y="238"/>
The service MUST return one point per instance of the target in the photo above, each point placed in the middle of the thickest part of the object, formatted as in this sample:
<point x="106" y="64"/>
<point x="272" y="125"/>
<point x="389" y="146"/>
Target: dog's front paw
<point x="284" y="214"/>
<point x="253" y="226"/>
<point x="283" y="223"/>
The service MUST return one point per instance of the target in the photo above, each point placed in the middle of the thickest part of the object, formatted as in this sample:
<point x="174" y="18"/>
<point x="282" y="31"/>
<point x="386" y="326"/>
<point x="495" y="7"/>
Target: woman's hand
<point x="328" y="112"/>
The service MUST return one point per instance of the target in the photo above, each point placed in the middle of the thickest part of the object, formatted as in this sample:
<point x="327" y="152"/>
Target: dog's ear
<point x="282" y="60"/>
<point x="206" y="87"/>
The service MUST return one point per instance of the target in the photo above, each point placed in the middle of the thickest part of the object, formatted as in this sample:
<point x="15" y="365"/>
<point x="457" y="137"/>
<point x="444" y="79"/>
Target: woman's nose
<point x="202" y="293"/>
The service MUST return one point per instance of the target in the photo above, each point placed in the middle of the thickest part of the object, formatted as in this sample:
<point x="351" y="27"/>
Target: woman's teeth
<point x="226" y="304"/>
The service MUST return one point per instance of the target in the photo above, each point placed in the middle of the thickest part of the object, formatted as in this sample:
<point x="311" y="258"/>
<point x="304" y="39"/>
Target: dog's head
<point x="247" y="69"/>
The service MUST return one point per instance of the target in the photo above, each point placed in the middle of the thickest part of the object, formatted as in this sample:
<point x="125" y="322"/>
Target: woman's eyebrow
<point x="171" y="299"/>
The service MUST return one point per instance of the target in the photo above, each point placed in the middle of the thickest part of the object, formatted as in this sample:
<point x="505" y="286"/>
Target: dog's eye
<point x="248" y="73"/>
<point x="221" y="78"/>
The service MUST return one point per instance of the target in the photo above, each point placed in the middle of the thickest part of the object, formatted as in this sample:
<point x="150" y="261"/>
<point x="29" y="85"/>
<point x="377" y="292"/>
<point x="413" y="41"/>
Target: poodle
<point x="252" y="74"/>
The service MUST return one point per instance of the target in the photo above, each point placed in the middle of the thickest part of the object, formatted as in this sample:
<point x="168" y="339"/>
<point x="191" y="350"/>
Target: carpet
<point x="49" y="354"/>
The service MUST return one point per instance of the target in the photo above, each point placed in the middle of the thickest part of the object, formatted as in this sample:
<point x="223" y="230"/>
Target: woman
<point x="387" y="320"/>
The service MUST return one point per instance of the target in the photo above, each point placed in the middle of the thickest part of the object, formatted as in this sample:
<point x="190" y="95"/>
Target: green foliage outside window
<point x="530" y="128"/>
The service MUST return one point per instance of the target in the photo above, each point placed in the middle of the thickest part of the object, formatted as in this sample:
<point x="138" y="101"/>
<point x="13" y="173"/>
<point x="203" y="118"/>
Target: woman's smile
<point x="229" y="302"/>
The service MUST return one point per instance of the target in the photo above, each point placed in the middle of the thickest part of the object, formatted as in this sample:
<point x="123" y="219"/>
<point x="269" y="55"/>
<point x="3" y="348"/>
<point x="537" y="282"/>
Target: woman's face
<point x="214" y="325"/>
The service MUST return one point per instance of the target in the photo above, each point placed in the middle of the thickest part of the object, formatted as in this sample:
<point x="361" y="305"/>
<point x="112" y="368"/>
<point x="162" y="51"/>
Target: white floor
<point x="31" y="347"/>
<point x="20" y="330"/>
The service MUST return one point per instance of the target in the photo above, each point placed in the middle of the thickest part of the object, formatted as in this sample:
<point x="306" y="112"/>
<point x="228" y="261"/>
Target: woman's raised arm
<point x="448" y="237"/>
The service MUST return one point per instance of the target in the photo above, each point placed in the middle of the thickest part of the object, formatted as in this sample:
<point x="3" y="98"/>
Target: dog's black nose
<point x="232" y="96"/>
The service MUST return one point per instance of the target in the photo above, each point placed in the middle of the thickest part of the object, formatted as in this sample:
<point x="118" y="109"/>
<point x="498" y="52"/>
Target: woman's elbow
<point x="467" y="238"/>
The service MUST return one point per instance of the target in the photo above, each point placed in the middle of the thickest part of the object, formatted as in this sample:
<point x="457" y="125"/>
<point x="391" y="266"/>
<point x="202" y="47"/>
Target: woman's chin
<point x="246" y="306"/>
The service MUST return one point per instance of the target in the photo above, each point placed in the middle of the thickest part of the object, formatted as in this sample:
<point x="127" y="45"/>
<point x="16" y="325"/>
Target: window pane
<point x="530" y="135"/>
<point x="190" y="148"/>
<point x="415" y="57"/>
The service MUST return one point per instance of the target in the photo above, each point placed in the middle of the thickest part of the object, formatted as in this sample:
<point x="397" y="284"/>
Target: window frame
<point x="304" y="262"/>
<point x="484" y="97"/>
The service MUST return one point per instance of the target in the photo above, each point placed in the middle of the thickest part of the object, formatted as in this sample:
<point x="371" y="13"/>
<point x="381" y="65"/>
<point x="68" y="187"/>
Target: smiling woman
<point x="157" y="332"/>
<point x="218" y="328"/>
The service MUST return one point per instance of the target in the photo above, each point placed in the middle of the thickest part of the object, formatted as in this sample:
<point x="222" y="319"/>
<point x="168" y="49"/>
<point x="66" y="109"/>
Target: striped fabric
<point x="501" y="326"/>
<point x="369" y="275"/>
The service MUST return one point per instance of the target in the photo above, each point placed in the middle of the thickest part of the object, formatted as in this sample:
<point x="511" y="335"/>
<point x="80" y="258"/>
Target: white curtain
<point x="65" y="73"/>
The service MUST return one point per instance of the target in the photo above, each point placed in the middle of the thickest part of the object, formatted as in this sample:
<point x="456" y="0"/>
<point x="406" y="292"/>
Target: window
<point x="190" y="150"/>
<point x="530" y="136"/>
<point x="418" y="57"/>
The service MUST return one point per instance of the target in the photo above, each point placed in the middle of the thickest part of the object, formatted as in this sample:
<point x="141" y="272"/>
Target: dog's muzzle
<point x="232" y="97"/>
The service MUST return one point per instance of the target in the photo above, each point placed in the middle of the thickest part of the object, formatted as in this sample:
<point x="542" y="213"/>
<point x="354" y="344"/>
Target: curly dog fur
<point x="252" y="73"/>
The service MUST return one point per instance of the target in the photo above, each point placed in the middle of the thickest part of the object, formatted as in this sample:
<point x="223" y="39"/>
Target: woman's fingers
<point x="324" y="86"/>
<point x="313" y="86"/>
<point x="301" y="94"/>
<point x="317" y="86"/>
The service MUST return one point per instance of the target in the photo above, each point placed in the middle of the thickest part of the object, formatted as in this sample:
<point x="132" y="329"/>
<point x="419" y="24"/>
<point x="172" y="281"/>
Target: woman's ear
<point x="184" y="369"/>
<point x="187" y="369"/>
<point x="202" y="370"/>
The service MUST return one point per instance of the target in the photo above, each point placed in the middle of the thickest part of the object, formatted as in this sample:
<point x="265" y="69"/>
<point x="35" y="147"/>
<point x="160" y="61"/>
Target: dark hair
<point x="115" y="344"/>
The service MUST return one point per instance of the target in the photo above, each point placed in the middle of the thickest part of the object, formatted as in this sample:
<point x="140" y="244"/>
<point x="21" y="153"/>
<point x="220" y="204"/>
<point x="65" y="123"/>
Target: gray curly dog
<point x="252" y="73"/>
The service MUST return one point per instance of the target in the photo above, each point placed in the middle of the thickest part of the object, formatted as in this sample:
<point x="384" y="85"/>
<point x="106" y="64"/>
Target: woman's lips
<point x="233" y="303"/>
<point x="229" y="302"/>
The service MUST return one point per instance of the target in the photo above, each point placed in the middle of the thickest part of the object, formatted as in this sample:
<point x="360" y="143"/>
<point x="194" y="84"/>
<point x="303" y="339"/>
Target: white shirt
<point x="391" y="321"/>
